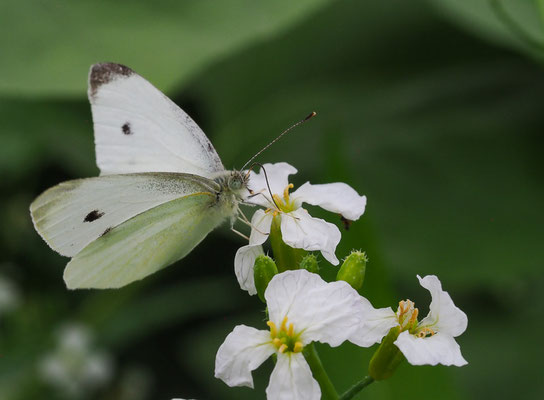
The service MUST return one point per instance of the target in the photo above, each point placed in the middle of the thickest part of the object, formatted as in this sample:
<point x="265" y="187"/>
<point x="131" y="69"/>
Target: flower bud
<point x="353" y="270"/>
<point x="263" y="272"/>
<point x="309" y="263"/>
<point x="387" y="358"/>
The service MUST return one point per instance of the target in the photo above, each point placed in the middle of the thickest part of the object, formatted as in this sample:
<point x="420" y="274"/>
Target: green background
<point x="433" y="109"/>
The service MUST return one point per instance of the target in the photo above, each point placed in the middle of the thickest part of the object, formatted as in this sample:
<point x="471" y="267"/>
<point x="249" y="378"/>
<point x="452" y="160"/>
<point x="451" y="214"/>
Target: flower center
<point x="407" y="314"/>
<point x="284" y="204"/>
<point x="407" y="317"/>
<point x="285" y="339"/>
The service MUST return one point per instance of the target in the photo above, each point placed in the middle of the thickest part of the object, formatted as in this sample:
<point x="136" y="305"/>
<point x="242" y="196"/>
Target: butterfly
<point x="162" y="187"/>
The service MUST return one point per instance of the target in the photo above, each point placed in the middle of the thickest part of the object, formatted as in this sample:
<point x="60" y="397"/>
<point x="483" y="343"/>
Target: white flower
<point x="9" y="295"/>
<point x="430" y="341"/>
<point x="298" y="228"/>
<point x="302" y="308"/>
<point x="74" y="367"/>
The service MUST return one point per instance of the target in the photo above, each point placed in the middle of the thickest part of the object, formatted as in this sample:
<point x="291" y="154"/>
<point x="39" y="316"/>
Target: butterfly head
<point x="237" y="180"/>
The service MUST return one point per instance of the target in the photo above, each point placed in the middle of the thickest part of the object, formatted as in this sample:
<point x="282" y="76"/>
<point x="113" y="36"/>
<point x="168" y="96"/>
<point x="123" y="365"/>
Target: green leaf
<point x="515" y="23"/>
<point x="48" y="47"/>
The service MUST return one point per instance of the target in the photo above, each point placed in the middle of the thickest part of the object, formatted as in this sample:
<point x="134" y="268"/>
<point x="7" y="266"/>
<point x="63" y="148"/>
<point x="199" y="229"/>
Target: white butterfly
<point x="161" y="190"/>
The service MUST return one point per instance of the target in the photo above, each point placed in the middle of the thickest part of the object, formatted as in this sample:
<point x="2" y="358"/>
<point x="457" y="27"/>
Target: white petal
<point x="437" y="349"/>
<point x="375" y="324"/>
<point x="336" y="197"/>
<point x="302" y="231"/>
<point x="278" y="179"/>
<point x="443" y="316"/>
<point x="292" y="379"/>
<point x="244" y="349"/>
<point x="260" y="227"/>
<point x="243" y="267"/>
<point x="246" y="255"/>
<point x="325" y="312"/>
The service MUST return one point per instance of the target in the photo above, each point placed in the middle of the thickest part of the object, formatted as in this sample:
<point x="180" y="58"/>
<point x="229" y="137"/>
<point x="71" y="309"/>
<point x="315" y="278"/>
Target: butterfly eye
<point x="235" y="182"/>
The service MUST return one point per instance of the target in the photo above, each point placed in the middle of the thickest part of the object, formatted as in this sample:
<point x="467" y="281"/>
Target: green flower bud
<point x="353" y="270"/>
<point x="309" y="263"/>
<point x="264" y="270"/>
<point x="387" y="358"/>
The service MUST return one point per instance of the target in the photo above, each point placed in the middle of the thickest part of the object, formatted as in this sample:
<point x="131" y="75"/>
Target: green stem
<point x="503" y="15"/>
<point x="320" y="375"/>
<point x="352" y="391"/>
<point x="285" y="256"/>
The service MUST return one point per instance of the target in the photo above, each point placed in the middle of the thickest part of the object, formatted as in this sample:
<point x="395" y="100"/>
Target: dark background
<point x="433" y="109"/>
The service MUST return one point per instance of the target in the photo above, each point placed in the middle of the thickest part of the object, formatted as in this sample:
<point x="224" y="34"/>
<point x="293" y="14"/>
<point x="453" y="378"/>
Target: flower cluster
<point x="302" y="308"/>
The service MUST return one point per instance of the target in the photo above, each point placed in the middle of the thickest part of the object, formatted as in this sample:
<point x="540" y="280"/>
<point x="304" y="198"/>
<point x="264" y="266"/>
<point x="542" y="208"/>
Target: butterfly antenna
<point x="266" y="179"/>
<point x="313" y="114"/>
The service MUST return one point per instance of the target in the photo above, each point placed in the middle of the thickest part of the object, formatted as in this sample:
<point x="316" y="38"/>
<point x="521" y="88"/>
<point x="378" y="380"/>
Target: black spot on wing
<point x="106" y="231"/>
<point x="93" y="216"/>
<point x="104" y="73"/>
<point x="126" y="129"/>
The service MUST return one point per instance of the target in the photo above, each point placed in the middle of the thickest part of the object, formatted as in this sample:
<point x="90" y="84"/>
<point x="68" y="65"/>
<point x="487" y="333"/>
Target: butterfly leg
<point x="239" y="233"/>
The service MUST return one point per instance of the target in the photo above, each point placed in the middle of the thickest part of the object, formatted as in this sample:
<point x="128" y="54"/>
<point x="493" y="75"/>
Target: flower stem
<point x="320" y="375"/>
<point x="352" y="391"/>
<point x="285" y="256"/>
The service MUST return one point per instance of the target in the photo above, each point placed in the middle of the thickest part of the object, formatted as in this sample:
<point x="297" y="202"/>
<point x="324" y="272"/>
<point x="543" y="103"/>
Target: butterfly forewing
<point x="72" y="214"/>
<point x="138" y="129"/>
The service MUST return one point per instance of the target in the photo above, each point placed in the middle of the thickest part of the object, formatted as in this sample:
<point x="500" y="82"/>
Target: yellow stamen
<point x="286" y="192"/>
<point x="277" y="342"/>
<point x="425" y="332"/>
<point x="298" y="347"/>
<point x="273" y="329"/>
<point x="291" y="329"/>
<point x="277" y="200"/>
<point x="282" y="348"/>
<point x="413" y="318"/>
<point x="283" y="326"/>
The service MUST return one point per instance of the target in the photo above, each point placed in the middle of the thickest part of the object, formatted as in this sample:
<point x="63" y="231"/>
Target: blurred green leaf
<point x="48" y="46"/>
<point x="514" y="23"/>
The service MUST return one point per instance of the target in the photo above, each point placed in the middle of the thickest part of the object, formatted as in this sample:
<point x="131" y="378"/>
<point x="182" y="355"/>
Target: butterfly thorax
<point x="233" y="188"/>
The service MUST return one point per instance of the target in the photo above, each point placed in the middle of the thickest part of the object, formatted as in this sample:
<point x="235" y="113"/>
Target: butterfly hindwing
<point x="145" y="244"/>
<point x="72" y="214"/>
<point x="138" y="129"/>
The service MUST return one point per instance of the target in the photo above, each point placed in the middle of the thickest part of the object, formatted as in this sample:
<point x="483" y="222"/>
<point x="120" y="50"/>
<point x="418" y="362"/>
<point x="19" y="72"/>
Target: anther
<point x="286" y="192"/>
<point x="297" y="348"/>
<point x="291" y="329"/>
<point x="282" y="348"/>
<point x="277" y="342"/>
<point x="273" y="329"/>
<point x="277" y="199"/>
<point x="283" y="326"/>
<point x="414" y="316"/>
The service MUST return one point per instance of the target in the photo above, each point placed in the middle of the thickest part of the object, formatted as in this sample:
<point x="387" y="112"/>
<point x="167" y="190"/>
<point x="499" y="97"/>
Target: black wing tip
<point x="103" y="73"/>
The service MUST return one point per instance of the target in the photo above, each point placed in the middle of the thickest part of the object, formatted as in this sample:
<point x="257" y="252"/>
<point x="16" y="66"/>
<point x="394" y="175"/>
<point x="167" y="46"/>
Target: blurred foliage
<point x="441" y="128"/>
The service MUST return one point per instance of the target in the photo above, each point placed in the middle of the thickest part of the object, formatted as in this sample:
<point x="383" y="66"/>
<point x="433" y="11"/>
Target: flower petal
<point x="437" y="349"/>
<point x="443" y="316"/>
<point x="336" y="197"/>
<point x="375" y="324"/>
<point x="246" y="255"/>
<point x="292" y="379"/>
<point x="244" y="349"/>
<point x="278" y="179"/>
<point x="243" y="267"/>
<point x="324" y="312"/>
<point x="302" y="231"/>
<point x="260" y="227"/>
